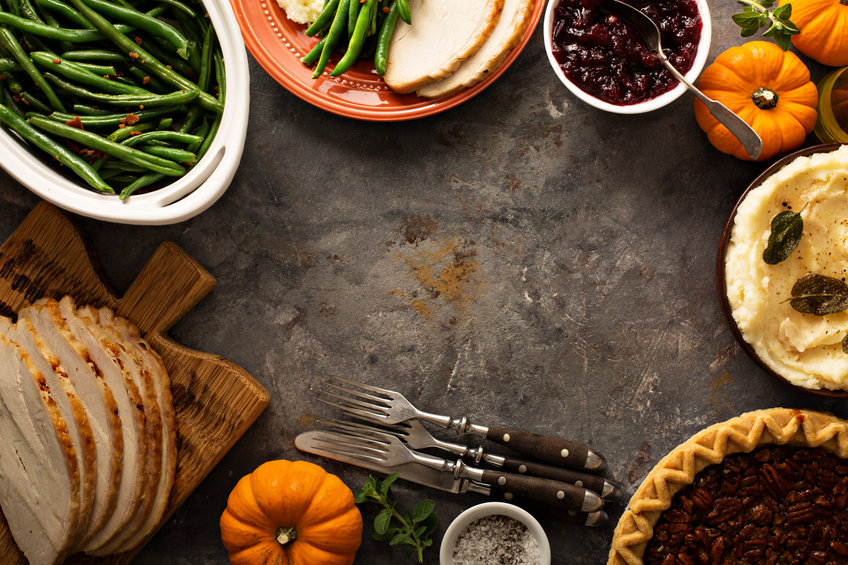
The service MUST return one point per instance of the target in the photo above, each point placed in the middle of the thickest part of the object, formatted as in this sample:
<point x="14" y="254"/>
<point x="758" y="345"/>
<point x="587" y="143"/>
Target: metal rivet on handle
<point x="579" y="484"/>
<point x="506" y="437"/>
<point x="560" y="495"/>
<point x="508" y="495"/>
<point x="522" y="469"/>
<point x="564" y="452"/>
<point x="502" y="481"/>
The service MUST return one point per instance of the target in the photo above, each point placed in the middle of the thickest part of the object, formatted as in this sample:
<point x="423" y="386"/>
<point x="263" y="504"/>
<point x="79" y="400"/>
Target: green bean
<point x="381" y="56"/>
<point x="210" y="136"/>
<point x="356" y="40"/>
<point x="201" y="132"/>
<point x="175" y="136"/>
<point x="28" y="11"/>
<point x="61" y="9"/>
<point x="208" y="102"/>
<point x="149" y="100"/>
<point x="333" y="37"/>
<point x="99" y="55"/>
<point x="113" y="166"/>
<point x="86" y="110"/>
<point x="181" y="6"/>
<point x="73" y="71"/>
<point x="205" y="74"/>
<point x="372" y="25"/>
<point x="220" y="75"/>
<point x="326" y="16"/>
<point x="126" y="132"/>
<point x="101" y="70"/>
<point x="11" y="103"/>
<point x="94" y="141"/>
<point x="57" y="33"/>
<point x="140" y="182"/>
<point x="13" y="83"/>
<point x="143" y="77"/>
<point x="315" y="52"/>
<point x="56" y="150"/>
<point x="34" y="102"/>
<point x="353" y="13"/>
<point x="169" y="59"/>
<point x="165" y="124"/>
<point x="10" y="43"/>
<point x="173" y="153"/>
<point x="142" y="21"/>
<point x="9" y="65"/>
<point x="111" y="120"/>
<point x="404" y="11"/>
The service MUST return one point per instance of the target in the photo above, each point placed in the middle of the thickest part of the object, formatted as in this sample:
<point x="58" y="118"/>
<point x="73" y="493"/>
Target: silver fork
<point x="389" y="450"/>
<point x="416" y="436"/>
<point x="390" y="407"/>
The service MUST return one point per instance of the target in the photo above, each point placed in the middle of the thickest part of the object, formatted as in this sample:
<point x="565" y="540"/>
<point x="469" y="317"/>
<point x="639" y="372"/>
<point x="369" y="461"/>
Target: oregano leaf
<point x="381" y="522"/>
<point x="786" y="231"/>
<point x="423" y="509"/>
<point x="819" y="295"/>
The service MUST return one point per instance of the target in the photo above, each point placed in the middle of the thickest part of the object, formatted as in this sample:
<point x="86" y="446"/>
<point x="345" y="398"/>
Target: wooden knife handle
<point x="550" y="449"/>
<point x="555" y="494"/>
<point x="585" y="480"/>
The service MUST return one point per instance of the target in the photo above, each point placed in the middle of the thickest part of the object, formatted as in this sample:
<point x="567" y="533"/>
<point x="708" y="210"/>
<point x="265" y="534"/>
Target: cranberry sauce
<point x="605" y="57"/>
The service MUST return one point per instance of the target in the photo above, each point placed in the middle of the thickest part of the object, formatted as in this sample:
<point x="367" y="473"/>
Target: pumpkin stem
<point x="286" y="535"/>
<point x="765" y="98"/>
<point x="843" y="2"/>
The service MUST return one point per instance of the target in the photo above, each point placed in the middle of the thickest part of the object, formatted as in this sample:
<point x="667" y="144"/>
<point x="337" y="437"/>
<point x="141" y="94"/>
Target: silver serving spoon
<point x="651" y="35"/>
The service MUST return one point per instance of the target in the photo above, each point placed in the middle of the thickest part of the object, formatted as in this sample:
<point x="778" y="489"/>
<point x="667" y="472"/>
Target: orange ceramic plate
<point x="277" y="44"/>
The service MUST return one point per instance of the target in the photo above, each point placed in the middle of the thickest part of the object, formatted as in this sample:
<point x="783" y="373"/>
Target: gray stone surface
<point x="523" y="259"/>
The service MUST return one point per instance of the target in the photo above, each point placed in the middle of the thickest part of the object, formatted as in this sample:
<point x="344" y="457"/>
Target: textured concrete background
<point x="523" y="259"/>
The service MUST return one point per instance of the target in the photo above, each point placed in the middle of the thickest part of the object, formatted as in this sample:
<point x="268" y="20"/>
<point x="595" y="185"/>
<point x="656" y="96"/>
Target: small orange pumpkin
<point x="291" y="513"/>
<point x="767" y="87"/>
<point x="824" y="30"/>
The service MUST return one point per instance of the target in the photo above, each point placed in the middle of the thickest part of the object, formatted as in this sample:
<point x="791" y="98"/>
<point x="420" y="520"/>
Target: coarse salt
<point x="496" y="540"/>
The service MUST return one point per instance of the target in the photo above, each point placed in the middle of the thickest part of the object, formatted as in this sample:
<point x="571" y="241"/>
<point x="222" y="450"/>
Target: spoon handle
<point x="736" y="125"/>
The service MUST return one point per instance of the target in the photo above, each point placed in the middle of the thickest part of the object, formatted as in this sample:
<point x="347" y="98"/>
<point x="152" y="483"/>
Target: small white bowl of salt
<point x="495" y="532"/>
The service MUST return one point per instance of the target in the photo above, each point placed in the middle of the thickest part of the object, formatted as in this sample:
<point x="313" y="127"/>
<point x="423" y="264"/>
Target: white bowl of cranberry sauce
<point x="603" y="61"/>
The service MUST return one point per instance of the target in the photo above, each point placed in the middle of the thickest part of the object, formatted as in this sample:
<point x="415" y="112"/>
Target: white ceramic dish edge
<point x="649" y="105"/>
<point x="461" y="522"/>
<point x="189" y="195"/>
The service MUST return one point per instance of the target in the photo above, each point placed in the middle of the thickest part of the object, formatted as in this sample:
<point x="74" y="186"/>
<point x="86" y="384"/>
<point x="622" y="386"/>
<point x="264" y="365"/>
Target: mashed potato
<point x="803" y="348"/>
<point x="301" y="11"/>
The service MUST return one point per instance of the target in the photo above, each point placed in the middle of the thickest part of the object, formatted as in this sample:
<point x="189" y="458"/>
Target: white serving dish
<point x="188" y="196"/>
<point x="649" y="105"/>
<point x="474" y="513"/>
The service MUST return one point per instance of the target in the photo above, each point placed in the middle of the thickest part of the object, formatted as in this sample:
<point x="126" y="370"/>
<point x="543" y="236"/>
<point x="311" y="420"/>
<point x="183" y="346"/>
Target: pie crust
<point x="743" y="434"/>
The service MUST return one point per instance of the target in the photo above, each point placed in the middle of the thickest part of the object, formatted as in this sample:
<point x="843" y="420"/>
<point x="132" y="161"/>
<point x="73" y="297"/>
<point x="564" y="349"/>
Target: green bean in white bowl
<point x="127" y="113"/>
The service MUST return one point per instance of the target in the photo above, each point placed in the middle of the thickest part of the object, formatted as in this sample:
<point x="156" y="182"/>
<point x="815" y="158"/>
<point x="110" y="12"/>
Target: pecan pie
<point x="767" y="487"/>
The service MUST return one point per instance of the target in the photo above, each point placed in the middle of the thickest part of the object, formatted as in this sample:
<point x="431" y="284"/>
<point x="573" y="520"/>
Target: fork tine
<point x="357" y="403"/>
<point x="363" y="386"/>
<point x="359" y="428"/>
<point x="371" y="397"/>
<point x="373" y="416"/>
<point x="340" y="440"/>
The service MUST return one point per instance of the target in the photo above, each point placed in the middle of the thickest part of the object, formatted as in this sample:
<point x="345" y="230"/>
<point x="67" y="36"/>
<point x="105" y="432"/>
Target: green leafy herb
<point x="756" y="15"/>
<point x="786" y="230"/>
<point x="819" y="295"/>
<point x="410" y="528"/>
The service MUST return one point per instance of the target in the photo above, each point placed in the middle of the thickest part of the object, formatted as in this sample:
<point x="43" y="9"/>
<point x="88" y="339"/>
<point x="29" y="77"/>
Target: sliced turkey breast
<point x="72" y="409"/>
<point x="443" y="34"/>
<point x="67" y="355"/>
<point x="507" y="34"/>
<point x="84" y="322"/>
<point x="134" y="480"/>
<point x="38" y="462"/>
<point x="153" y="370"/>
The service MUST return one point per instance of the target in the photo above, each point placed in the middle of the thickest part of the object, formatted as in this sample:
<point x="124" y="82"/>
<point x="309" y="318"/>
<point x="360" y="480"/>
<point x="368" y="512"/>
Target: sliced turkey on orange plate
<point x="508" y="32"/>
<point x="443" y="34"/>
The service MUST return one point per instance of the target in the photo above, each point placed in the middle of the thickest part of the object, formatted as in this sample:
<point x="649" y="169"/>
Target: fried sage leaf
<point x="819" y="295"/>
<point x="786" y="230"/>
<point x="845" y="344"/>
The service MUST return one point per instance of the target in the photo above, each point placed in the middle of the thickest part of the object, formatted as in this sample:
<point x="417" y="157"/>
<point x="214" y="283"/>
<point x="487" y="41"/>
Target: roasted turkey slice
<point x="39" y="472"/>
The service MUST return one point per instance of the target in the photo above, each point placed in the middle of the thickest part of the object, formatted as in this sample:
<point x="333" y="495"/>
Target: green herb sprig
<point x="756" y="15"/>
<point x="410" y="528"/>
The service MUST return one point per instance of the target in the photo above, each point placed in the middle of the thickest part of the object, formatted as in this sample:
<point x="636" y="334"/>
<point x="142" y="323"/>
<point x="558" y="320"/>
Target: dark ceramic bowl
<point x="722" y="251"/>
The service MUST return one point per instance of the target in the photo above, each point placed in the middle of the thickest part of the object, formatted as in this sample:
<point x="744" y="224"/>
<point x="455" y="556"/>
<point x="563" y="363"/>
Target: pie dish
<point x="712" y="446"/>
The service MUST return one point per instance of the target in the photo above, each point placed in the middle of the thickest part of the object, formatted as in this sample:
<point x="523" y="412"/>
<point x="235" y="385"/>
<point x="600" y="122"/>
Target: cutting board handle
<point x="169" y="285"/>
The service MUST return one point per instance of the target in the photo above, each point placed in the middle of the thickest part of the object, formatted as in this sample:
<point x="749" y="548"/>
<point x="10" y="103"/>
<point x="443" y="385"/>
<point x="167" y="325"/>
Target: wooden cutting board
<point x="215" y="400"/>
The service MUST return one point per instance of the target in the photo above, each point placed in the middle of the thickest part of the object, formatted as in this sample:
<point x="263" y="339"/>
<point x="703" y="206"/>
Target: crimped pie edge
<point x="743" y="434"/>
